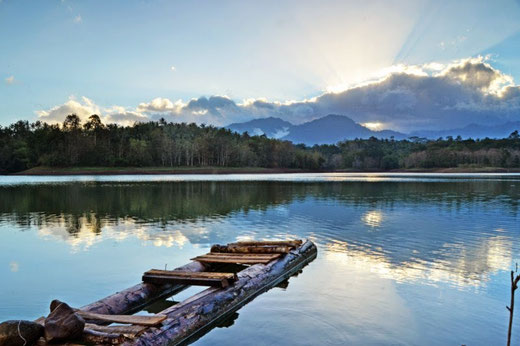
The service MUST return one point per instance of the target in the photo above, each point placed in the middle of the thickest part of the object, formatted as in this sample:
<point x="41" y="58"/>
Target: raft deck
<point x="266" y="264"/>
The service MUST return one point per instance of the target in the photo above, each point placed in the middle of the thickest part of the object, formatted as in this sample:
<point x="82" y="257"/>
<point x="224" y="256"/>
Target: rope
<point x="20" y="334"/>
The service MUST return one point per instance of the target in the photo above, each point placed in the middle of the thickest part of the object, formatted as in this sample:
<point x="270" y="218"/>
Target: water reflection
<point x="373" y="218"/>
<point x="457" y="265"/>
<point x="175" y="214"/>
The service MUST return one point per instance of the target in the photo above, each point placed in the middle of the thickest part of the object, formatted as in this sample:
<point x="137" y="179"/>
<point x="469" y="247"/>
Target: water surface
<point x="403" y="258"/>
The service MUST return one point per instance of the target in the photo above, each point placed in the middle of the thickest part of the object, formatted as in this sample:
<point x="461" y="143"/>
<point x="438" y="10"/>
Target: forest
<point x="25" y="145"/>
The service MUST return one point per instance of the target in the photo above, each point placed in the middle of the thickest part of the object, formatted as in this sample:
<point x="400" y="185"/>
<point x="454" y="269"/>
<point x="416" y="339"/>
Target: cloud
<point x="9" y="80"/>
<point x="14" y="266"/>
<point x="78" y="19"/>
<point x="402" y="97"/>
<point x="85" y="107"/>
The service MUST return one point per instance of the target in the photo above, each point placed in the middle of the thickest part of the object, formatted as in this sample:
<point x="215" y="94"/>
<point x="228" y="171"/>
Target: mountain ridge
<point x="334" y="128"/>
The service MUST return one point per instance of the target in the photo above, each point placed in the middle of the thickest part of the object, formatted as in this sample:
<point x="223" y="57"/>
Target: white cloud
<point x="78" y="19"/>
<point x="14" y="266"/>
<point x="9" y="80"/>
<point x="85" y="107"/>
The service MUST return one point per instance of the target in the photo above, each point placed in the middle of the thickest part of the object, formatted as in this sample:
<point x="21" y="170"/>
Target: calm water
<point x="403" y="259"/>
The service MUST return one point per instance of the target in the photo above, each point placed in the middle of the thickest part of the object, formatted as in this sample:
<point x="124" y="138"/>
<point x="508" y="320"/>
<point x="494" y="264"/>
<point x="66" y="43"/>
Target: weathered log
<point x="139" y="296"/>
<point x="253" y="249"/>
<point x="203" y="310"/>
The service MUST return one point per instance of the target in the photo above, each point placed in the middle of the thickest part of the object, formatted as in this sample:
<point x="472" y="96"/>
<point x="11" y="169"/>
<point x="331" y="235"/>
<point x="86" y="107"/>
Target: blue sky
<point x="113" y="56"/>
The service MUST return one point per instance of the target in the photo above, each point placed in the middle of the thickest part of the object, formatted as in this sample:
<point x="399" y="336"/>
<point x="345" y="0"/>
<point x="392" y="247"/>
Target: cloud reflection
<point x="373" y="218"/>
<point x="456" y="265"/>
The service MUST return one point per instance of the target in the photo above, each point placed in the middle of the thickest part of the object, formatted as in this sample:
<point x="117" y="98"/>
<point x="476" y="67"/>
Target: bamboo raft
<point x="263" y="265"/>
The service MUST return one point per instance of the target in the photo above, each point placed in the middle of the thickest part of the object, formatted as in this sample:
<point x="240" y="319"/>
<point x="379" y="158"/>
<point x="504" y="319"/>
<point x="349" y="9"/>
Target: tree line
<point x="24" y="145"/>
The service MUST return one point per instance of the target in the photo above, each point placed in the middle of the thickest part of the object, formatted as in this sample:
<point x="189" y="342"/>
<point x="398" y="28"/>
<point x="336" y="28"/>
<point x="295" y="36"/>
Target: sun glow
<point x="374" y="126"/>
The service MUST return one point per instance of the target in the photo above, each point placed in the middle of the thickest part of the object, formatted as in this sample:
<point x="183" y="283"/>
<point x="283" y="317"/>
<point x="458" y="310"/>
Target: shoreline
<point x="43" y="171"/>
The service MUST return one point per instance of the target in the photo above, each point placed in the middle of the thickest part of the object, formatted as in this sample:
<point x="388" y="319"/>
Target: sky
<point x="403" y="65"/>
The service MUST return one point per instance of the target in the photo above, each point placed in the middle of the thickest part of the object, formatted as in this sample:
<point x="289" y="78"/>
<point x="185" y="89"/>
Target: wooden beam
<point x="127" y="319"/>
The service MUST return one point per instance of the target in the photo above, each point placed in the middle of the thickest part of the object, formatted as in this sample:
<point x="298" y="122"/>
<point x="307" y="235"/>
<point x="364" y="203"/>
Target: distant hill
<point x="327" y="130"/>
<point x="271" y="127"/>
<point x="472" y="131"/>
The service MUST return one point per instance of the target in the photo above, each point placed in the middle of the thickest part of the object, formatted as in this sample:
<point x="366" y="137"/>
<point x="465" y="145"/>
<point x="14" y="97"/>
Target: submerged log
<point x="139" y="296"/>
<point x="203" y="310"/>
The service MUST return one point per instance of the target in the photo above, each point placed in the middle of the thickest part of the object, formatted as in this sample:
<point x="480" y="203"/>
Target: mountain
<point x="271" y="127"/>
<point x="332" y="129"/>
<point x="327" y="130"/>
<point x="472" y="131"/>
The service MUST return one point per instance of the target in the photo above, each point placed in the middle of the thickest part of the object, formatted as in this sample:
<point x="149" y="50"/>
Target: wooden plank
<point x="127" y="330"/>
<point x="251" y="249"/>
<point x="248" y="256"/>
<point x="241" y="255"/>
<point x="292" y="243"/>
<point x="126" y="319"/>
<point x="182" y="280"/>
<point x="236" y="260"/>
<point x="208" y="275"/>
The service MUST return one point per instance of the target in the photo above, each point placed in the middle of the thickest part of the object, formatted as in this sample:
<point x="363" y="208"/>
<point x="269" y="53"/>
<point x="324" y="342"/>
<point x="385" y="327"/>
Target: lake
<point x="404" y="259"/>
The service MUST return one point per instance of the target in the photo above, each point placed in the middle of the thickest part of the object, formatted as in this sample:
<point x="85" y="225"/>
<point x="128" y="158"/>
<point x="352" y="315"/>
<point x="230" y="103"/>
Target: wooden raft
<point x="145" y="330"/>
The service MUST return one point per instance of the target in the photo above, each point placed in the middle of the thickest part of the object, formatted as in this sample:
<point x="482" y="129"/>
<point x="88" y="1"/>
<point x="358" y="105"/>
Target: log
<point x="203" y="310"/>
<point x="128" y="319"/>
<point x="139" y="296"/>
